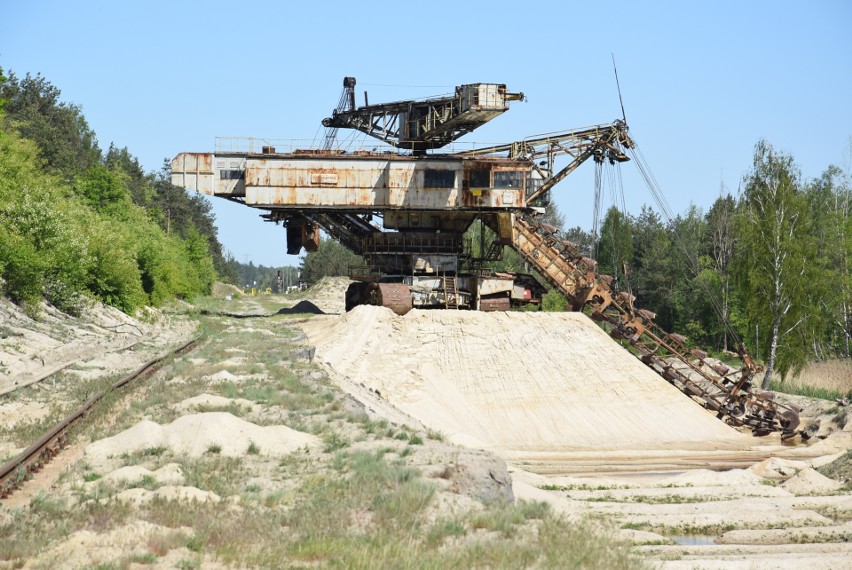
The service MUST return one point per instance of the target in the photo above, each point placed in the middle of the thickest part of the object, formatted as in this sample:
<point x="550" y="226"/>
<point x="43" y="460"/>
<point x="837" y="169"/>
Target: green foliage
<point x="616" y="244"/>
<point x="651" y="274"/>
<point x="718" y="246"/>
<point x="82" y="234"/>
<point x="829" y="294"/>
<point x="3" y="101"/>
<point x="104" y="190"/>
<point x="584" y="240"/>
<point x="65" y="141"/>
<point x="114" y="277"/>
<point x="258" y="276"/>
<point x="43" y="252"/>
<point x="478" y="241"/>
<point x="552" y="301"/>
<point x="772" y="267"/>
<point x="330" y="259"/>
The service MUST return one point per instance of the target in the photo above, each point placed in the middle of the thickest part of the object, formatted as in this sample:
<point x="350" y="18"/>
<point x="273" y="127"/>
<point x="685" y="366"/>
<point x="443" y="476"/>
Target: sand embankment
<point x="524" y="384"/>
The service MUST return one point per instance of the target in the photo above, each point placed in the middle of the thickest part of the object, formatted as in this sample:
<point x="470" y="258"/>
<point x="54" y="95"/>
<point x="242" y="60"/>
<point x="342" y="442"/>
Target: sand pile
<point x="220" y="289"/>
<point x="303" y="307"/>
<point x="810" y="482"/>
<point x="328" y="294"/>
<point x="515" y="381"/>
<point x="196" y="434"/>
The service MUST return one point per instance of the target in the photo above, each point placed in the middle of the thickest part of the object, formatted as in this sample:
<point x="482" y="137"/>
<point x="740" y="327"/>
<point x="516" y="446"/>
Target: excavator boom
<point x="421" y="125"/>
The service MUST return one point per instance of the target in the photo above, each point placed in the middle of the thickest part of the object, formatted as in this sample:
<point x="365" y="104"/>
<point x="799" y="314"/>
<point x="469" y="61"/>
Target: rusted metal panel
<point x="521" y="293"/>
<point x="492" y="304"/>
<point x="193" y="162"/>
<point x="356" y="183"/>
<point x="434" y="263"/>
<point x="370" y="181"/>
<point x="494" y="285"/>
<point x="504" y="225"/>
<point x="194" y="171"/>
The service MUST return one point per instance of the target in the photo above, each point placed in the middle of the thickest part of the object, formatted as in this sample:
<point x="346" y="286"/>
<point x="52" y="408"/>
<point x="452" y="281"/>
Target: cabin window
<point x="508" y="179"/>
<point x="439" y="178"/>
<point x="231" y="174"/>
<point x="480" y="178"/>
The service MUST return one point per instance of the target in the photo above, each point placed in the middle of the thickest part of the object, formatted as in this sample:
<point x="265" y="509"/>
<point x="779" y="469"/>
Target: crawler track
<point x="33" y="458"/>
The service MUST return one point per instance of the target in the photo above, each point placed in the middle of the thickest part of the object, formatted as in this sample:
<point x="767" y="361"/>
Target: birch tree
<point x="829" y="198"/>
<point x="772" y="264"/>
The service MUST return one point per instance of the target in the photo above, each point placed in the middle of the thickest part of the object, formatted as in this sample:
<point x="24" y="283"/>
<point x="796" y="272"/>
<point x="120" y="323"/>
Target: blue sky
<point x="702" y="81"/>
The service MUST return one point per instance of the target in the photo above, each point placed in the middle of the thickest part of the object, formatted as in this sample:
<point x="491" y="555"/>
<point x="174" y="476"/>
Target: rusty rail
<point x="32" y="459"/>
<point x="717" y="388"/>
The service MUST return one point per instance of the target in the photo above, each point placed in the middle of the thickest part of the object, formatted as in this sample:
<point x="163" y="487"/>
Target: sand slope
<point x="515" y="381"/>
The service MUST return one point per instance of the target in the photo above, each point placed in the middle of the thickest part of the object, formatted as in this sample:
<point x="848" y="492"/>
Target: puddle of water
<point x="694" y="539"/>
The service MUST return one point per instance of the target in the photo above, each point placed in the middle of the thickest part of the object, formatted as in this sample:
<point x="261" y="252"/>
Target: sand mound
<point x="809" y="482"/>
<point x="514" y="381"/>
<point x="708" y="478"/>
<point x="328" y="294"/>
<point x="209" y="401"/>
<point x="86" y="548"/>
<point x="139" y="496"/>
<point x="195" y="434"/>
<point x="840" y="468"/>
<point x="224" y="289"/>
<point x="222" y="376"/>
<point x="778" y="468"/>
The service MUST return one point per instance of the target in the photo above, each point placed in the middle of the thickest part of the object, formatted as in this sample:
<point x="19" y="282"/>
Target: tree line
<point x="77" y="223"/>
<point x="769" y="266"/>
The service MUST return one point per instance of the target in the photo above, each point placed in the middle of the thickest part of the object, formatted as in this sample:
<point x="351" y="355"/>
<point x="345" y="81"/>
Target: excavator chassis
<point x="495" y="292"/>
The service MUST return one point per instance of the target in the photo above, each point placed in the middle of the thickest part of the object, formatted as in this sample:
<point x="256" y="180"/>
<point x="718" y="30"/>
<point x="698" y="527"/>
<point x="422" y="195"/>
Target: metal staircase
<point x="451" y="293"/>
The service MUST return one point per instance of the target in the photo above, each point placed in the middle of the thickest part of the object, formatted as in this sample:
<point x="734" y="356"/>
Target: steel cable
<point x="692" y="263"/>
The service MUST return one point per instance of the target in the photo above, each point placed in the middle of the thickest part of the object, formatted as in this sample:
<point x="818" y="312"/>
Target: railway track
<point x="14" y="472"/>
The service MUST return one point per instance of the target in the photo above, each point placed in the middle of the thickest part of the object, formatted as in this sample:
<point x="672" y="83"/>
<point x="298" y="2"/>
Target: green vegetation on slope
<point x="75" y="225"/>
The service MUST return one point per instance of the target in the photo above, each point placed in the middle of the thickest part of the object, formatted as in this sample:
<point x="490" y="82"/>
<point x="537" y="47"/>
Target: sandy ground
<point x="328" y="294"/>
<point x="588" y="428"/>
<point x="102" y="338"/>
<point x="537" y="387"/>
<point x="582" y="425"/>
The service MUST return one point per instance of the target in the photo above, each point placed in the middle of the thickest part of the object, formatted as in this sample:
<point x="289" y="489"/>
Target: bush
<point x="553" y="301"/>
<point x="22" y="269"/>
<point x="115" y="278"/>
<point x="65" y="246"/>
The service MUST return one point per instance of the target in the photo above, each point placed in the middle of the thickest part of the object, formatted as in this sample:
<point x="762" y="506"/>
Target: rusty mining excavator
<point x="405" y="210"/>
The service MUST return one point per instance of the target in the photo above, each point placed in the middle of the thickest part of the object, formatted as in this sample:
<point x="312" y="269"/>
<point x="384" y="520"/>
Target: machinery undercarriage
<point x="406" y="214"/>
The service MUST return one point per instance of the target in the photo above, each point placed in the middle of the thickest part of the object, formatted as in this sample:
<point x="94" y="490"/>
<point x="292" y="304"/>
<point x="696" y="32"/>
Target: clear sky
<point x="702" y="81"/>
